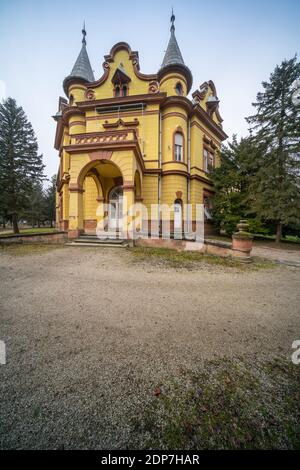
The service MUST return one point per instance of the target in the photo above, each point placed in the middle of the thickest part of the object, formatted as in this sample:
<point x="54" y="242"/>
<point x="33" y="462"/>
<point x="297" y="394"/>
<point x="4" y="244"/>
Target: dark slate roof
<point x="82" y="67"/>
<point x="173" y="58"/>
<point x="173" y="55"/>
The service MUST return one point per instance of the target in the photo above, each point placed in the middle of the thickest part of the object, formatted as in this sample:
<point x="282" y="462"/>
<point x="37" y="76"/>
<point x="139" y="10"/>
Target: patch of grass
<point x="24" y="249"/>
<point x="287" y="242"/>
<point x="228" y="404"/>
<point x="191" y="259"/>
<point x="9" y="233"/>
<point x="292" y="238"/>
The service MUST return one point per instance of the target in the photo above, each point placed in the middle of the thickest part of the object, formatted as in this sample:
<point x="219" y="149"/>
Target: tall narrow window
<point x="179" y="89"/>
<point x="205" y="160"/>
<point x="117" y="91"/>
<point x="178" y="147"/>
<point x="208" y="207"/>
<point x="208" y="160"/>
<point x="124" y="90"/>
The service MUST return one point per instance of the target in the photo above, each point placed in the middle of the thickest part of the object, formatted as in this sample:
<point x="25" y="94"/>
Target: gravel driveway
<point x="90" y="334"/>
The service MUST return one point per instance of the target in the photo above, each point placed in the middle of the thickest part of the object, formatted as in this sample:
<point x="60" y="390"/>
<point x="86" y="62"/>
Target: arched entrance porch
<point x="99" y="183"/>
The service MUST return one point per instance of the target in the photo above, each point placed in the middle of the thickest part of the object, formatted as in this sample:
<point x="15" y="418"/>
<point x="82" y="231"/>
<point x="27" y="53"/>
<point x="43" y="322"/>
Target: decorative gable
<point x="206" y="97"/>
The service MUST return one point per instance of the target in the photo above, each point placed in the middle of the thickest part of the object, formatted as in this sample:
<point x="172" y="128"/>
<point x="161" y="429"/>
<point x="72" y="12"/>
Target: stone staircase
<point x="106" y="239"/>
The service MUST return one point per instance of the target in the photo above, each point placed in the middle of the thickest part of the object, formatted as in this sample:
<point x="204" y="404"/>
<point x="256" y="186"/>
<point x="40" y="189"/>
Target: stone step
<point x="108" y="245"/>
<point x="100" y="241"/>
<point x="102" y="235"/>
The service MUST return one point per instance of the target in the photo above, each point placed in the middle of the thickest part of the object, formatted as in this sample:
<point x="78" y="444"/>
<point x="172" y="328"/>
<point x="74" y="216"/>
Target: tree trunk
<point x="278" y="232"/>
<point x="15" y="223"/>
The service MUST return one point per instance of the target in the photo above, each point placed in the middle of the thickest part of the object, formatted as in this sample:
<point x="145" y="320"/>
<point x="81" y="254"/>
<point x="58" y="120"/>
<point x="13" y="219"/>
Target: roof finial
<point x="172" y="21"/>
<point x="83" y="34"/>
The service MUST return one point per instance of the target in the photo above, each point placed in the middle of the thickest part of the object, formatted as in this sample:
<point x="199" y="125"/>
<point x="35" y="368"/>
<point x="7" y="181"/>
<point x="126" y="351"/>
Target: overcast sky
<point x="235" y="43"/>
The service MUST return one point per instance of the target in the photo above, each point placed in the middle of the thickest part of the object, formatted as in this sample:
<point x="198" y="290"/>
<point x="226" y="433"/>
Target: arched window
<point x="178" y="215"/>
<point x="71" y="100"/>
<point x="179" y="89"/>
<point x="178" y="147"/>
<point x="121" y="90"/>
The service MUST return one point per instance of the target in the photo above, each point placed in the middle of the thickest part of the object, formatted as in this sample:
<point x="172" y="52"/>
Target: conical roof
<point x="173" y="58"/>
<point x="173" y="54"/>
<point x="82" y="68"/>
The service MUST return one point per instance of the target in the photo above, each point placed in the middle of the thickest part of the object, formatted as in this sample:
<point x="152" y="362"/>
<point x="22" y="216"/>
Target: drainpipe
<point x="160" y="165"/>
<point x="189" y="173"/>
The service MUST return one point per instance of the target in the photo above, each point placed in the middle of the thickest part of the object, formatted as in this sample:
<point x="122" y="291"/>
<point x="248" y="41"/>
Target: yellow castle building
<point x="135" y="136"/>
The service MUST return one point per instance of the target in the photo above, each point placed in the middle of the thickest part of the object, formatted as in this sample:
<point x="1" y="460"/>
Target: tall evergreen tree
<point x="231" y="181"/>
<point x="20" y="164"/>
<point x="36" y="209"/>
<point x="50" y="200"/>
<point x="274" y="191"/>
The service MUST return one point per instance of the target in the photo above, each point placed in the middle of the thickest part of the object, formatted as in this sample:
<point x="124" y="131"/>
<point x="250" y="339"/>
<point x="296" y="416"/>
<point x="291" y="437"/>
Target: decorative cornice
<point x="109" y="140"/>
<point x="210" y="123"/>
<point x="175" y="172"/>
<point x="202" y="179"/>
<point x="130" y="99"/>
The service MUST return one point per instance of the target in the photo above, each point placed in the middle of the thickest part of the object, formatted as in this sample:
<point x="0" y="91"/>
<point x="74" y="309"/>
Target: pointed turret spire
<point x="172" y="21"/>
<point x="83" y="34"/>
<point x="82" y="69"/>
<point x="173" y="57"/>
<point x="173" y="54"/>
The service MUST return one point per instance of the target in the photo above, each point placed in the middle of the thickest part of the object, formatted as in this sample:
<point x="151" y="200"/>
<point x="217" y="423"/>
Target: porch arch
<point x="91" y="166"/>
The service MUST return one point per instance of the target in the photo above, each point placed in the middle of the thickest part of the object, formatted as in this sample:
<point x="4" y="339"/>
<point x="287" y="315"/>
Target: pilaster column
<point x="75" y="211"/>
<point x="128" y="201"/>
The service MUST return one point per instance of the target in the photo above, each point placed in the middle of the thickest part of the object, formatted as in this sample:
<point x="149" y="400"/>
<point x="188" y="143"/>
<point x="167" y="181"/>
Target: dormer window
<point x="179" y="89"/>
<point x="120" y="81"/>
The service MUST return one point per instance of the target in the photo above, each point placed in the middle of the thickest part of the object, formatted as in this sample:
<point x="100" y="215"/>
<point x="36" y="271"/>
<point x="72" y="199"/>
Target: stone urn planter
<point x="242" y="242"/>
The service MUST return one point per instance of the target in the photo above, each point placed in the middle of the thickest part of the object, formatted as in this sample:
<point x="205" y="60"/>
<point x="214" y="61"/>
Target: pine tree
<point x="20" y="164"/>
<point x="50" y="200"/>
<point x="231" y="181"/>
<point x="36" y="210"/>
<point x="274" y="191"/>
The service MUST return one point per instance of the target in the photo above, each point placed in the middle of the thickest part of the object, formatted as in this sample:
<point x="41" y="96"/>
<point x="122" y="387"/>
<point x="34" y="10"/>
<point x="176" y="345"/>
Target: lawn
<point x="192" y="260"/>
<point x="10" y="232"/>
<point x="227" y="404"/>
